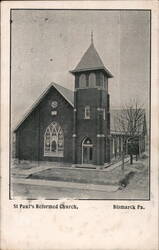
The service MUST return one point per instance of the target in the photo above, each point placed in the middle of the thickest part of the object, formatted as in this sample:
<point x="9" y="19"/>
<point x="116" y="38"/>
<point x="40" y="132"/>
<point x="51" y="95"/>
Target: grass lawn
<point x="137" y="172"/>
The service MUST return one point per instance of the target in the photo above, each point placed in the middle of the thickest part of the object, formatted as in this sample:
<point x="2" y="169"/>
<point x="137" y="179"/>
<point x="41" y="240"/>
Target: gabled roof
<point x="91" y="61"/>
<point x="66" y="93"/>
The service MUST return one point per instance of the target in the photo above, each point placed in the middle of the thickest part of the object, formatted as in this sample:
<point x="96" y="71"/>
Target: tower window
<point x="87" y="112"/>
<point x="92" y="80"/>
<point x="82" y="81"/>
<point x="102" y="82"/>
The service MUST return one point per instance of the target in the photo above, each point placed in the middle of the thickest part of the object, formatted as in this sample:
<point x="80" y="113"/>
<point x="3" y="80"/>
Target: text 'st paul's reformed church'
<point x="70" y="126"/>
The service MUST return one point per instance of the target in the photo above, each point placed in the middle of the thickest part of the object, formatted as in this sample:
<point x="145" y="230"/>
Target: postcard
<point x="79" y="125"/>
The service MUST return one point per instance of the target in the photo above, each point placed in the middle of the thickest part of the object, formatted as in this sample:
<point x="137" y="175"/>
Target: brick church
<point x="70" y="126"/>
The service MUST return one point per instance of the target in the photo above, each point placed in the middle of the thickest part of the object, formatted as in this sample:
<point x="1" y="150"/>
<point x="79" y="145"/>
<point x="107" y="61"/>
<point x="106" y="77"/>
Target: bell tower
<point x="91" y="128"/>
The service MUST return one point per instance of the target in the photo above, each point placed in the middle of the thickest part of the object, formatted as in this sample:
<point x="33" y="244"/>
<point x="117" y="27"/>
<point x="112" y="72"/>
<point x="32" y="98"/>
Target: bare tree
<point x="129" y="122"/>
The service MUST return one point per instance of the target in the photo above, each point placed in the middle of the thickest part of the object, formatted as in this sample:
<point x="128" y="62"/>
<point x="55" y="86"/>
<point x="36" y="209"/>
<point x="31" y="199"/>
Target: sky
<point x="47" y="44"/>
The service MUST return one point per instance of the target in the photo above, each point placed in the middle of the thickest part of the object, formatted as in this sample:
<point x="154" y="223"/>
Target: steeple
<point x="91" y="109"/>
<point x="91" y="61"/>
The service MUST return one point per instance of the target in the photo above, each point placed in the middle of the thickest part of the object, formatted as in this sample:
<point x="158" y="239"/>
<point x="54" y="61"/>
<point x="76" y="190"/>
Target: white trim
<point x="118" y="133"/>
<point x="109" y="75"/>
<point x="101" y="88"/>
<point x="88" y="145"/>
<point x="113" y="146"/>
<point x="104" y="114"/>
<point x="99" y="109"/>
<point x="54" y="112"/>
<point x="87" y="87"/>
<point x="100" y="135"/>
<point x="52" y="154"/>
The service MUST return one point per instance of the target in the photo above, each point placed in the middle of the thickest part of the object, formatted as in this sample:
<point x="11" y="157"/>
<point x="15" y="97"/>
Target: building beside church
<point x="71" y="126"/>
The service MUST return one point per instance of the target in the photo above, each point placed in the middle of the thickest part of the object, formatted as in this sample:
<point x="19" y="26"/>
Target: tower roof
<point x="91" y="61"/>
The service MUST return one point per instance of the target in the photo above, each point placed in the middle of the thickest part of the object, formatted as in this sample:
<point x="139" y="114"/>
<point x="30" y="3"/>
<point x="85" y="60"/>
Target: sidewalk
<point x="115" y="165"/>
<point x="24" y="173"/>
<point x="67" y="185"/>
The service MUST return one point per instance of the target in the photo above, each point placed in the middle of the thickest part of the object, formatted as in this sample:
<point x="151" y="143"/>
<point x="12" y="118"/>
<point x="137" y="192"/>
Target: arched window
<point x="53" y="140"/>
<point x="87" y="141"/>
<point x="92" y="80"/>
<point x="82" y="81"/>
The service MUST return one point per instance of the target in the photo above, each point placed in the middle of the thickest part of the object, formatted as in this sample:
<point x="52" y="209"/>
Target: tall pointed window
<point x="53" y="141"/>
<point x="87" y="113"/>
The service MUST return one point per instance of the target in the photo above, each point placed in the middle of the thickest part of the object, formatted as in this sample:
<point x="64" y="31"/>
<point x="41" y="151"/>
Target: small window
<point x="87" y="112"/>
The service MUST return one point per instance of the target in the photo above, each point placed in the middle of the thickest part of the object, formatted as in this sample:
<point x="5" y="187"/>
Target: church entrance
<point x="87" y="151"/>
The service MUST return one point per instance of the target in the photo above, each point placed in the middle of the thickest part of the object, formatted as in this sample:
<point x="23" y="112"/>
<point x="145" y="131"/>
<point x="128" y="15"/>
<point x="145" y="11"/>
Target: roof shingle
<point x="91" y="60"/>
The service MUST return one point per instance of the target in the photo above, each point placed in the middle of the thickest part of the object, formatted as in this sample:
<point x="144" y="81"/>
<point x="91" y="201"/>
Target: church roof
<point x="66" y="93"/>
<point x="91" y="61"/>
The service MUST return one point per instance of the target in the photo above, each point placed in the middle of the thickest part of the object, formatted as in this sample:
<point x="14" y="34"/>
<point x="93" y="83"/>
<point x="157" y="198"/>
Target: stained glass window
<point x="54" y="140"/>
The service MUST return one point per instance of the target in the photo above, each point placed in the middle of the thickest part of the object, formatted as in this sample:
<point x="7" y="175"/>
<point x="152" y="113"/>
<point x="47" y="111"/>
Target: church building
<point x="70" y="126"/>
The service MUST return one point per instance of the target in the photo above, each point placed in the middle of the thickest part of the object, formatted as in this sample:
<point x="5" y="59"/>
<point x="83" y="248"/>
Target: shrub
<point x="144" y="156"/>
<point x="125" y="181"/>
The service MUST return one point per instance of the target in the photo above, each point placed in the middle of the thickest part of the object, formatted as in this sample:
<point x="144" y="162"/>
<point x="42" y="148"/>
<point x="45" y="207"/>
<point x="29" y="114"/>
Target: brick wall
<point x="30" y="135"/>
